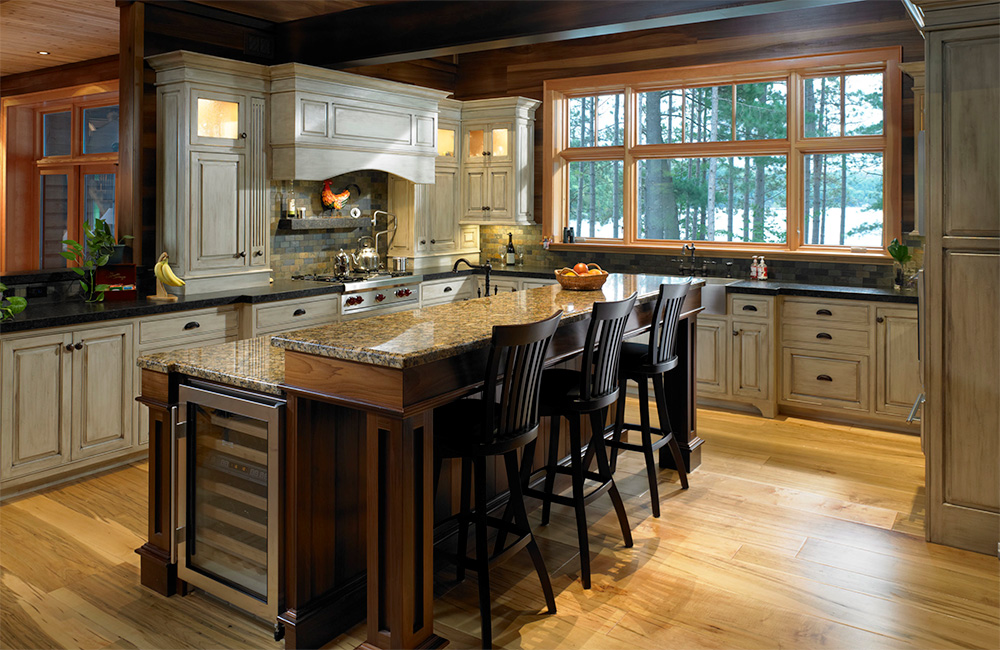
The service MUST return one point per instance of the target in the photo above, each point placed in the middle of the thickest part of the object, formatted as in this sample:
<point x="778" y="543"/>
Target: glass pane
<point x="229" y="522"/>
<point x="713" y="199"/>
<point x="762" y="110"/>
<point x="843" y="199"/>
<point x="446" y="142"/>
<point x="597" y="121"/>
<point x="499" y="143"/>
<point x="54" y="211"/>
<point x="708" y="114"/>
<point x="863" y="107"/>
<point x="595" y="198"/>
<point x="821" y="107"/>
<point x="99" y="198"/>
<point x="56" y="128"/>
<point x="100" y="129"/>
<point x="661" y="116"/>
<point x="218" y="119"/>
<point x="477" y="143"/>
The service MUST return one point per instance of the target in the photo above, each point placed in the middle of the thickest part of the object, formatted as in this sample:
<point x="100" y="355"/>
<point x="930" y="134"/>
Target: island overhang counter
<point x="358" y="471"/>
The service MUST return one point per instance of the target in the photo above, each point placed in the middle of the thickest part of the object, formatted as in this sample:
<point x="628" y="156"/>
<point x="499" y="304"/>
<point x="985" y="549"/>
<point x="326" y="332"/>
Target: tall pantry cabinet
<point x="961" y="416"/>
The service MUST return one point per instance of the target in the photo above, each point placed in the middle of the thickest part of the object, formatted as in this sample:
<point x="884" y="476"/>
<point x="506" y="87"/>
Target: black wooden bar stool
<point x="573" y="394"/>
<point x="475" y="429"/>
<point x="642" y="362"/>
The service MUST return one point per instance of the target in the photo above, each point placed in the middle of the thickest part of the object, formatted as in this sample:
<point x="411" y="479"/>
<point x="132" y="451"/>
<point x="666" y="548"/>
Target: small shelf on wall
<point x="324" y="223"/>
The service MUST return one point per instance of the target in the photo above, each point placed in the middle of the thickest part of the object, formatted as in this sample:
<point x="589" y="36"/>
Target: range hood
<point x="325" y="123"/>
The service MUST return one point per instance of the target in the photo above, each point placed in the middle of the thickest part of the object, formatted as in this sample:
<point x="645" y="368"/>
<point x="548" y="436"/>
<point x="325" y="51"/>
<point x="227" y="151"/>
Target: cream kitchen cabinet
<point x="897" y="365"/>
<point x="448" y="290"/>
<point x="498" y="138"/>
<point x="286" y="315"/>
<point x="211" y="170"/>
<point x="67" y="399"/>
<point x="712" y="373"/>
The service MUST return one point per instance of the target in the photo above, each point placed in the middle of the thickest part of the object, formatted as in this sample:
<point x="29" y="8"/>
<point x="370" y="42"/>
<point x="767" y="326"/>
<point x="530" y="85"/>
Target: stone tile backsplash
<point x="529" y="238"/>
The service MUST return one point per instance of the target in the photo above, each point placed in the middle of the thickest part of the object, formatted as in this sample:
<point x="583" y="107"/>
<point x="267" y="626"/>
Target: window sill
<point x="814" y="255"/>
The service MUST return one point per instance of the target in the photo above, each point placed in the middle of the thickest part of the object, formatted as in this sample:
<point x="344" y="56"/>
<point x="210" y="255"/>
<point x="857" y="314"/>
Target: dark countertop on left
<point x="75" y="312"/>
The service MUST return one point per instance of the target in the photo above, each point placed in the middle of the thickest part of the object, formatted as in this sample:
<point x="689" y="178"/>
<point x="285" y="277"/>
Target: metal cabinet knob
<point x="69" y="347"/>
<point x="880" y="319"/>
<point x="78" y="346"/>
<point x="258" y="253"/>
<point x="243" y="136"/>
<point x="735" y="333"/>
<point x="240" y="254"/>
<point x="433" y="241"/>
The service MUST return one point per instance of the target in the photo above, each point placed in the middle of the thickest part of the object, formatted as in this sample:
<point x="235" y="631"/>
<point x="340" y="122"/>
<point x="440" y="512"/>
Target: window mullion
<point x="630" y="203"/>
<point x="794" y="188"/>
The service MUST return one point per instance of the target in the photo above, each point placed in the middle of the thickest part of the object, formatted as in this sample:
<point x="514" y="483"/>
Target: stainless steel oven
<point x="228" y="491"/>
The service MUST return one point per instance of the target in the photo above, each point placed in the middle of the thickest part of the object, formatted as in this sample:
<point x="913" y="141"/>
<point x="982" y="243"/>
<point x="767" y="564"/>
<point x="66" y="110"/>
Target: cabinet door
<point x="713" y="336"/>
<point x="475" y="143"/>
<point x="501" y="142"/>
<point x="442" y="221"/>
<point x="897" y="379"/>
<point x="475" y="192"/>
<point x="750" y="360"/>
<point x="218" y="211"/>
<point x="218" y="119"/>
<point x="499" y="192"/>
<point x="102" y="398"/>
<point x="35" y="409"/>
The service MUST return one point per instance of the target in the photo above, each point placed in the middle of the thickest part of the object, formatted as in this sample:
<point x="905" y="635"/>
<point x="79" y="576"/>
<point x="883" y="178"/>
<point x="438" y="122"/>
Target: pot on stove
<point x="366" y="257"/>
<point x="342" y="263"/>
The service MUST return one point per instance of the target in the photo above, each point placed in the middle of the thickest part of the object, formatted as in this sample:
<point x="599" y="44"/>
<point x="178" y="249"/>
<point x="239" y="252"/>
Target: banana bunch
<point x="165" y="274"/>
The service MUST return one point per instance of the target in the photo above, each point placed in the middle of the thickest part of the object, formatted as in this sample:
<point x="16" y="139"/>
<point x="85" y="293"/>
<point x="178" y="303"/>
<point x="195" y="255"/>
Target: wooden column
<point x="130" y="62"/>
<point x="682" y="397"/>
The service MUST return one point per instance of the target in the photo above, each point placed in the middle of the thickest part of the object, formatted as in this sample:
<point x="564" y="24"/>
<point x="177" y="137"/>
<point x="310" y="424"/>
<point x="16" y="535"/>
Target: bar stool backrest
<point x="663" y="334"/>
<point x="602" y="352"/>
<point x="516" y="361"/>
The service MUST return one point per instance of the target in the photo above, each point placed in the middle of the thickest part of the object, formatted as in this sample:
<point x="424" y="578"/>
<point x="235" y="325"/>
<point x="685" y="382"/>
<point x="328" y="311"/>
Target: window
<point x="798" y="155"/>
<point x="61" y="164"/>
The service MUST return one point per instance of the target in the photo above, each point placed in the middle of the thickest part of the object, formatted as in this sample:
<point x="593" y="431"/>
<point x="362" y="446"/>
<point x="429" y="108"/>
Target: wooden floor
<point x="794" y="534"/>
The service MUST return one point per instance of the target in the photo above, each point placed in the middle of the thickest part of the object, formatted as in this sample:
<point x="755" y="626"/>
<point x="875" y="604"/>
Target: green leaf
<point x="76" y="269"/>
<point x="84" y="285"/>
<point x="17" y="304"/>
<point x="101" y="261"/>
<point x="68" y="255"/>
<point x="102" y="287"/>
<point x="100" y="297"/>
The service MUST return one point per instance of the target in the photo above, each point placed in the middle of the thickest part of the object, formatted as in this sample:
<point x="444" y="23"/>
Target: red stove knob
<point x="402" y="293"/>
<point x="379" y="298"/>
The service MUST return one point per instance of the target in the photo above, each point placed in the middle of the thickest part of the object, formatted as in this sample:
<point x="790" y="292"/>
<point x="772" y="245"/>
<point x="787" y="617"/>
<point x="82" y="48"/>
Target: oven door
<point x="228" y="448"/>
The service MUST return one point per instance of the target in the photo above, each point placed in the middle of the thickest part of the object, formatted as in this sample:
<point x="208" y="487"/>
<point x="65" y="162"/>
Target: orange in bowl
<point x="592" y="280"/>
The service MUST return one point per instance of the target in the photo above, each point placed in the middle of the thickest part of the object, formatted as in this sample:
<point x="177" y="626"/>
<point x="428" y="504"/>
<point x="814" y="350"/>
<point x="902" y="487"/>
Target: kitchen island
<point x="359" y="509"/>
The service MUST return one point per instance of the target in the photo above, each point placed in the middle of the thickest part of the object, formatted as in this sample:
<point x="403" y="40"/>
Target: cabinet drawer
<point x="826" y="311"/>
<point x="295" y="314"/>
<point x="750" y="307"/>
<point x="821" y="336"/>
<point x="834" y="380"/>
<point x="436" y="293"/>
<point x="535" y="284"/>
<point x="200" y="323"/>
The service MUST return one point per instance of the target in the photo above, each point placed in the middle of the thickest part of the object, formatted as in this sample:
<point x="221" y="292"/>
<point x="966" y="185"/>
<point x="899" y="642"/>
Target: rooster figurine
<point x="333" y="201"/>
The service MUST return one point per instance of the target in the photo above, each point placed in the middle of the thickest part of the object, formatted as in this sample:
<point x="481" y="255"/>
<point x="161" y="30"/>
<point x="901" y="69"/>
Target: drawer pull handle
<point x="824" y="378"/>
<point x="447" y="289"/>
<point x="735" y="333"/>
<point x="749" y="308"/>
<point x="193" y="325"/>
<point x="824" y="335"/>
<point x="824" y="312"/>
<point x="299" y="312"/>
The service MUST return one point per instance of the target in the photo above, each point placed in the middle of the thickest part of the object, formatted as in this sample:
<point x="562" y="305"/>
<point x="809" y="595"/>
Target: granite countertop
<point x="547" y="272"/>
<point x="74" y="312"/>
<point x="776" y="288"/>
<point x="417" y="337"/>
<point x="253" y="364"/>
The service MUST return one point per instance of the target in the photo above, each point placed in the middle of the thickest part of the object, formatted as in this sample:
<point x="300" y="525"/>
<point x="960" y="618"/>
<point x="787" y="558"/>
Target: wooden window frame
<point x="557" y="154"/>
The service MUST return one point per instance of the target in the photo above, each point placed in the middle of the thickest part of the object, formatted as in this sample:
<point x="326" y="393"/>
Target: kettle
<point x="342" y="263"/>
<point x="366" y="258"/>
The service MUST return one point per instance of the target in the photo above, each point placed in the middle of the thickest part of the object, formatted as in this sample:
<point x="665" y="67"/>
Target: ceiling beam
<point x="414" y="30"/>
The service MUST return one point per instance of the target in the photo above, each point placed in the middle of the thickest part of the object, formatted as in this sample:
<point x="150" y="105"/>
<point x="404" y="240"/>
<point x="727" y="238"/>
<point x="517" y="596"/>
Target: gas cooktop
<point x="354" y="277"/>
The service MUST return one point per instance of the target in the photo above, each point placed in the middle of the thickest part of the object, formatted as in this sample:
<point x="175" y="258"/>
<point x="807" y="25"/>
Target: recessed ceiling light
<point x="43" y="52"/>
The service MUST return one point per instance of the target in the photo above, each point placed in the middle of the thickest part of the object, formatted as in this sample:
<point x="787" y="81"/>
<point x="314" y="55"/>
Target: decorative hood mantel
<point x="326" y="122"/>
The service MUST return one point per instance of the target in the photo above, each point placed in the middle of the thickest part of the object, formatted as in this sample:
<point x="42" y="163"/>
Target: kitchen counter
<point x="74" y="312"/>
<point x="417" y="337"/>
<point x="253" y="364"/>
<point x="777" y="288"/>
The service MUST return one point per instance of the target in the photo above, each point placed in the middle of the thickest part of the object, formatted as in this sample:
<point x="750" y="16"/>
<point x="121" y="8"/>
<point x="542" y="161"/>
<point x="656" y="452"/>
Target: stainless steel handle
<point x="912" y="417"/>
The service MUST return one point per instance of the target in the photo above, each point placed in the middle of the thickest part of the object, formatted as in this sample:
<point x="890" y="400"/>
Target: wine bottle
<point x="511" y="255"/>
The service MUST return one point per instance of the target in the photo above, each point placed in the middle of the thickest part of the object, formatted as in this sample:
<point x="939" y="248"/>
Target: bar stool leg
<point x="619" y="421"/>
<point x="647" y="440"/>
<point x="604" y="470"/>
<point x="550" y="471"/>
<point x="465" y="508"/>
<point x="482" y="553"/>
<point x="659" y="386"/>
<point x="521" y="518"/>
<point x="576" y="464"/>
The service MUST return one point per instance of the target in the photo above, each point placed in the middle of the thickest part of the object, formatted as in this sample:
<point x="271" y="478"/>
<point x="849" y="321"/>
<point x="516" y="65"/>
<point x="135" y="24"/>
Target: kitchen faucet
<point x="389" y="241"/>
<point x="483" y="267"/>
<point x="690" y="267"/>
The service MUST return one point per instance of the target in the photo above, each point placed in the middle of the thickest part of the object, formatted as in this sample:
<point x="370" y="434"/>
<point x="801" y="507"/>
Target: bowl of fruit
<point x="582" y="277"/>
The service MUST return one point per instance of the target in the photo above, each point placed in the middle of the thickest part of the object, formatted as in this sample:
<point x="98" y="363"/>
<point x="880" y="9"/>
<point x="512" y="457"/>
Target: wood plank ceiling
<point x="69" y="30"/>
<point x="283" y="12"/>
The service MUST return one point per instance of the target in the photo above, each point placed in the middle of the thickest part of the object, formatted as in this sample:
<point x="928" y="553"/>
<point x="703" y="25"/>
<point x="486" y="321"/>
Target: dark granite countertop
<point x="547" y="272"/>
<point x="775" y="288"/>
<point x="412" y="338"/>
<point x="75" y="312"/>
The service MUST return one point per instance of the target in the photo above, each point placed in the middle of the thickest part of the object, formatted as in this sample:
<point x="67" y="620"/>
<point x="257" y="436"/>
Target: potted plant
<point x="100" y="244"/>
<point x="10" y="306"/>
<point x="901" y="254"/>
